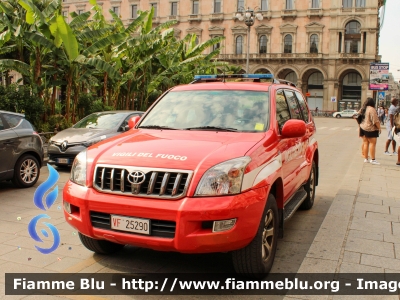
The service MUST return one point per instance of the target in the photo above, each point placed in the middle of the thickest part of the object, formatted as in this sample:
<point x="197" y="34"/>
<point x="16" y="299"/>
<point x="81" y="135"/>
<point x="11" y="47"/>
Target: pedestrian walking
<point x="381" y="114"/>
<point x="370" y="127"/>
<point x="386" y="114"/>
<point x="389" y="126"/>
<point x="359" y="117"/>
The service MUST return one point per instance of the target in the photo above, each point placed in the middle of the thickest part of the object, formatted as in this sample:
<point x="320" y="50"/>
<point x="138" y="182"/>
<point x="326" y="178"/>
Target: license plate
<point x="130" y="224"/>
<point x="63" y="160"/>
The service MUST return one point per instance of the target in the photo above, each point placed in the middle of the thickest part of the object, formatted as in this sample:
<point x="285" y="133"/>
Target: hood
<point x="174" y="149"/>
<point x="80" y="135"/>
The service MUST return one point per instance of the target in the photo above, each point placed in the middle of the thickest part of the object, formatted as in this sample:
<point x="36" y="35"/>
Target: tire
<point x="26" y="171"/>
<point x="338" y="116"/>
<point x="100" y="246"/>
<point x="256" y="259"/>
<point x="310" y="189"/>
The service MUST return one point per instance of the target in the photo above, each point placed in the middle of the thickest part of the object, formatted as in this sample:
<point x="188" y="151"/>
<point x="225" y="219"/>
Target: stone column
<point x="343" y="46"/>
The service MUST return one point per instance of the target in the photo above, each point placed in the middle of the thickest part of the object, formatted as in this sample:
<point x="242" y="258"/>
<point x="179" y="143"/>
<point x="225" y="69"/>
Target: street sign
<point x="381" y="95"/>
<point x="333" y="99"/>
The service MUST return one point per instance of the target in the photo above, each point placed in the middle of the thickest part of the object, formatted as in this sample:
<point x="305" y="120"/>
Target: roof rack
<point x="222" y="77"/>
<point x="255" y="77"/>
<point x="282" y="81"/>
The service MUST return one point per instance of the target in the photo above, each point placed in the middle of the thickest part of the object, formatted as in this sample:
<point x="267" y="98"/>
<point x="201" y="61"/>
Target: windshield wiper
<point x="157" y="127"/>
<point x="212" y="128"/>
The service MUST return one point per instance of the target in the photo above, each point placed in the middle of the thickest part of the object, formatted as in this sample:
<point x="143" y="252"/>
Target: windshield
<point x="211" y="110"/>
<point x="100" y="121"/>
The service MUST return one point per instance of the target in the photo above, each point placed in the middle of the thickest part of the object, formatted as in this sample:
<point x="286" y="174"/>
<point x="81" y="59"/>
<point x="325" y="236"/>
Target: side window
<point x="2" y="127"/>
<point x="282" y="109"/>
<point x="293" y="106"/>
<point x="303" y="106"/>
<point x="12" y="120"/>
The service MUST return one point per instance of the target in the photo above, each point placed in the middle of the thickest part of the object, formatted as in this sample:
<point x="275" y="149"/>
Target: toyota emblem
<point x="64" y="145"/>
<point x="136" y="177"/>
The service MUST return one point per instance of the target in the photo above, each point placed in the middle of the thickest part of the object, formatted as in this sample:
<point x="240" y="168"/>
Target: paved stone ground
<point x="361" y="231"/>
<point x="353" y="227"/>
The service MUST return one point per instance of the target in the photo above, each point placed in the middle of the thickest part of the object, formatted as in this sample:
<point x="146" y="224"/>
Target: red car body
<point x="279" y="165"/>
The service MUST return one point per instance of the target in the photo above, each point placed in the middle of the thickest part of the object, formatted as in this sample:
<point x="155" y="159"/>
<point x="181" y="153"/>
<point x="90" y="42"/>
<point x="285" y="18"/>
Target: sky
<point x="389" y="40"/>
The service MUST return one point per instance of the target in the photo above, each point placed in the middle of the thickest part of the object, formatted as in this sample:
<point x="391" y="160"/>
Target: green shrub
<point x="18" y="98"/>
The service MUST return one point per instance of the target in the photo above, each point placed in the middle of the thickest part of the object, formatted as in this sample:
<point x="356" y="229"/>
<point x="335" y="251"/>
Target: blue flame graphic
<point x="35" y="236"/>
<point x="38" y="201"/>
<point x="46" y="186"/>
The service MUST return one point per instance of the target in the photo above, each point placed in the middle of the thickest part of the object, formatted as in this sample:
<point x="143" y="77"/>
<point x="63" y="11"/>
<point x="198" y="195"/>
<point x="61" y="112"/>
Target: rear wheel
<point x="26" y="171"/>
<point x="310" y="189"/>
<point x="256" y="259"/>
<point x="100" y="246"/>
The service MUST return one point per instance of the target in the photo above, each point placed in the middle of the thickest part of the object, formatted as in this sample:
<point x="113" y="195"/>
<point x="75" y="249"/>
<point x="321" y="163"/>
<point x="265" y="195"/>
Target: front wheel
<point x="338" y="116"/>
<point x="310" y="189"/>
<point x="26" y="171"/>
<point x="256" y="259"/>
<point x="99" y="246"/>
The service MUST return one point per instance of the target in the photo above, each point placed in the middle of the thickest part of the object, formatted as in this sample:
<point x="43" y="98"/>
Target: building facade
<point x="324" y="46"/>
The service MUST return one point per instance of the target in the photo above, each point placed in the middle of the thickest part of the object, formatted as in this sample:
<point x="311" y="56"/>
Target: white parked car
<point x="347" y="113"/>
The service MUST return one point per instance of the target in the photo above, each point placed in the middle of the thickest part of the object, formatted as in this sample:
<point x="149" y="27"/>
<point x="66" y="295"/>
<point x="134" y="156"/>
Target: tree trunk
<point x="105" y="88"/>
<point x="68" y="98"/>
<point x="53" y="100"/>
<point x="37" y="72"/>
<point x="128" y="95"/>
<point x="76" y="94"/>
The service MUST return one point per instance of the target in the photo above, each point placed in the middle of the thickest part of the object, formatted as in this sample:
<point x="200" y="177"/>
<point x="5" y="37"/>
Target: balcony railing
<point x="315" y="12"/>
<point x="175" y="17"/>
<point x="217" y="17"/>
<point x="272" y="56"/>
<point x="289" y="13"/>
<point x="352" y="55"/>
<point x="193" y="18"/>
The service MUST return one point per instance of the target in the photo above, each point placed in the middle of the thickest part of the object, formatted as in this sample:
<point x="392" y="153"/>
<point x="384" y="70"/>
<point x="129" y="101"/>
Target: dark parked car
<point x="21" y="150"/>
<point x="65" y="145"/>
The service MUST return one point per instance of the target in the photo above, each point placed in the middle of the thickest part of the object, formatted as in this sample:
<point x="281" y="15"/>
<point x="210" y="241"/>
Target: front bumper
<point x="191" y="217"/>
<point x="56" y="156"/>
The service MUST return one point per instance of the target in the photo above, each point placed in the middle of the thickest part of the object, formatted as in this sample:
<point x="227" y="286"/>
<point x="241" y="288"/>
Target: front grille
<point x="158" y="228"/>
<point x="158" y="183"/>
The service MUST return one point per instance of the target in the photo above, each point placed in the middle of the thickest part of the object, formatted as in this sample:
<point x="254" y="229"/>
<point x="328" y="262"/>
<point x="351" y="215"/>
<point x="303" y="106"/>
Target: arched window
<point x="314" y="43"/>
<point x="288" y="44"/>
<point x="196" y="41"/>
<point x="263" y="44"/>
<point x="352" y="37"/>
<point x="292" y="77"/>
<point x="239" y="45"/>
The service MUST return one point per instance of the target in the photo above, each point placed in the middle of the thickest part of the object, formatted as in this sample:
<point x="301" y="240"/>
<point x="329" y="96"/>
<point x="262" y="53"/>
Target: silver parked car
<point x="65" y="145"/>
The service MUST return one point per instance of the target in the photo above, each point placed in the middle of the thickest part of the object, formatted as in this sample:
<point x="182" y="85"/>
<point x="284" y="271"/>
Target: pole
<point x="248" y="49"/>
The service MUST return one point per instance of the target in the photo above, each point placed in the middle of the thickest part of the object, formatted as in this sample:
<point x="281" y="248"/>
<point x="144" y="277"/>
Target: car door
<point x="8" y="141"/>
<point x="286" y="146"/>
<point x="296" y="151"/>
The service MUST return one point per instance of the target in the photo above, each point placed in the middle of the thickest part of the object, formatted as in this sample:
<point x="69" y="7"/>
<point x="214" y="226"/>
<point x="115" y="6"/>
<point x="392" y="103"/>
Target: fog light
<point x="223" y="225"/>
<point x="67" y="207"/>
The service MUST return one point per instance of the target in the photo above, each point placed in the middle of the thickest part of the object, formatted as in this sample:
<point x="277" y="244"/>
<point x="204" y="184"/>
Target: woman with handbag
<point x="370" y="128"/>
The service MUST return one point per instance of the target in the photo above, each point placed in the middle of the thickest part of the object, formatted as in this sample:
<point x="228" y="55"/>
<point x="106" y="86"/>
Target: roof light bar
<point x="250" y="76"/>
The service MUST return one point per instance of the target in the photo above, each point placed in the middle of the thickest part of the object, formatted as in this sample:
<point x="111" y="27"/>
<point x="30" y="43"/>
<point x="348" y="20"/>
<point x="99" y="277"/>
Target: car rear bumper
<point x="189" y="219"/>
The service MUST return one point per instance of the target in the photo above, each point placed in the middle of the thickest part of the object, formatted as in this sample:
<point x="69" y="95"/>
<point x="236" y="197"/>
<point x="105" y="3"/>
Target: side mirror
<point x="294" y="128"/>
<point x="133" y="121"/>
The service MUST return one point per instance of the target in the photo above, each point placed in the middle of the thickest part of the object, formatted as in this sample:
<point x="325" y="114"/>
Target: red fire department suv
<point x="213" y="166"/>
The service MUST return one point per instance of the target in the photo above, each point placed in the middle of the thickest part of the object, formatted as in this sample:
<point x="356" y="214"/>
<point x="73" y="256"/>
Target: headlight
<point x="78" y="170"/>
<point x="94" y="141"/>
<point x="224" y="178"/>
